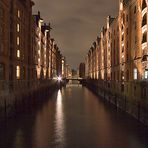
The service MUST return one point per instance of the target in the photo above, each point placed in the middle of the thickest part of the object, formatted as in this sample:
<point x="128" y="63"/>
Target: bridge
<point x="74" y="78"/>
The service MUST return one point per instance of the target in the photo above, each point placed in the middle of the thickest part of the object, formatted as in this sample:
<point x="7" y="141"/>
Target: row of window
<point x="18" y="72"/>
<point x="135" y="75"/>
<point x="18" y="38"/>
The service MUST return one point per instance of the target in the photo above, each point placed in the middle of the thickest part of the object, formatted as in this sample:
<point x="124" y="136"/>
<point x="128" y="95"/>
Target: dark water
<point x="73" y="118"/>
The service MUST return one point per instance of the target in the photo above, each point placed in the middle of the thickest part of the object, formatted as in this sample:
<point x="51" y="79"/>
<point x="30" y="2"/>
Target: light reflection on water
<point x="73" y="118"/>
<point x="59" y="121"/>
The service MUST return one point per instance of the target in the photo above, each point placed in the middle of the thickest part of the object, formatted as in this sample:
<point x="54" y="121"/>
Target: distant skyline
<point x="76" y="24"/>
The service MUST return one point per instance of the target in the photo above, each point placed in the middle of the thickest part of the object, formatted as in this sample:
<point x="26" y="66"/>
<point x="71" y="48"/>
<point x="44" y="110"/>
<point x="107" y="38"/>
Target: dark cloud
<point x="75" y="23"/>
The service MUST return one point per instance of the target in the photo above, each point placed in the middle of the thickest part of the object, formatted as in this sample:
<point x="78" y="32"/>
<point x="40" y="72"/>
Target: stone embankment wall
<point x="136" y="109"/>
<point x="19" y="96"/>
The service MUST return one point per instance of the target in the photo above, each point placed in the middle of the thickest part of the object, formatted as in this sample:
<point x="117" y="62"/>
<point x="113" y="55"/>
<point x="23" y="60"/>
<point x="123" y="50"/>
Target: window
<point x="144" y="20"/>
<point x="18" y="41"/>
<point x="122" y="87"/>
<point x="122" y="37"/>
<point x="122" y="75"/>
<point x="135" y="74"/>
<point x="18" y="14"/>
<point x="144" y="38"/>
<point x="18" y="72"/>
<point x="144" y="4"/>
<point x="145" y="74"/>
<point x="122" y="58"/>
<point x="18" y="53"/>
<point x="121" y="6"/>
<point x="2" y="71"/>
<point x="127" y="18"/>
<point x="135" y="9"/>
<point x="18" y="27"/>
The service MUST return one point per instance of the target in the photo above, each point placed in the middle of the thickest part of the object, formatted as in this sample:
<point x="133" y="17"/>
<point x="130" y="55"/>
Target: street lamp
<point x="59" y="78"/>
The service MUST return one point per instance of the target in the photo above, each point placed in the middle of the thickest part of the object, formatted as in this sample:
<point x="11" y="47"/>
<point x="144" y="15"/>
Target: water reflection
<point x="73" y="117"/>
<point x="59" y="121"/>
<point x="19" y="139"/>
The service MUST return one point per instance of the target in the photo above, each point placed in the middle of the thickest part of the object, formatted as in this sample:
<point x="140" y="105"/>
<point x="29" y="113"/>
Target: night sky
<point x="75" y="23"/>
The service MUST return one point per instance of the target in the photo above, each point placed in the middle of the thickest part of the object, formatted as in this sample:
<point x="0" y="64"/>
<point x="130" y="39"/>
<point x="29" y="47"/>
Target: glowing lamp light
<point x="59" y="78"/>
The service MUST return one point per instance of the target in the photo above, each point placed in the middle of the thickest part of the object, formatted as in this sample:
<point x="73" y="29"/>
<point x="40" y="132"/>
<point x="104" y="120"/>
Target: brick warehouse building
<point x="27" y="51"/>
<point x="20" y="40"/>
<point x="118" y="59"/>
<point x="4" y="39"/>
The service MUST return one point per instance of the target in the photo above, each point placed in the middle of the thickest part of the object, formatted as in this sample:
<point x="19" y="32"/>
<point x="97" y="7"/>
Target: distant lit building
<point x="74" y="73"/>
<point x="58" y="62"/>
<point x="68" y="71"/>
<point x="63" y="67"/>
<point x="82" y="70"/>
<point x="45" y="49"/>
<point x="38" y="44"/>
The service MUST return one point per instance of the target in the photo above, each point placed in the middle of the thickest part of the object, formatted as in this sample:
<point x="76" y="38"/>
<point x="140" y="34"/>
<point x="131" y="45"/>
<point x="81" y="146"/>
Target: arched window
<point x="144" y="38"/>
<point x="144" y="20"/>
<point x="144" y="4"/>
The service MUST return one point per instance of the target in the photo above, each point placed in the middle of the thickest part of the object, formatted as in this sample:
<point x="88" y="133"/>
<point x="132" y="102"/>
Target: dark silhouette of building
<point x="82" y="70"/>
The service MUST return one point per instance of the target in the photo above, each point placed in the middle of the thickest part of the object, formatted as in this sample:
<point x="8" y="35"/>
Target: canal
<point x="73" y="117"/>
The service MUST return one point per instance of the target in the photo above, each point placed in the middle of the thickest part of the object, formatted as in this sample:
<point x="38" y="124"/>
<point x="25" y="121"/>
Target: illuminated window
<point x="145" y="74"/>
<point x="18" y="72"/>
<point x="121" y="6"/>
<point x="18" y="27"/>
<point x="18" y="14"/>
<point x="18" y="41"/>
<point x="18" y="53"/>
<point x="135" y="74"/>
